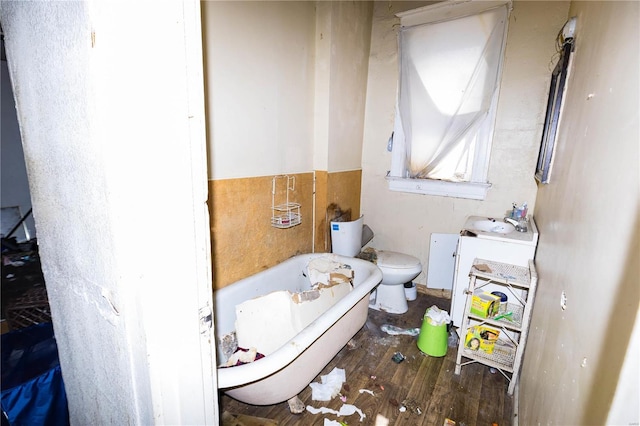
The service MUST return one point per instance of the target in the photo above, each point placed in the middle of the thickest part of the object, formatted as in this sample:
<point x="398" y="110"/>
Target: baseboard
<point x="435" y="292"/>
<point x="516" y="403"/>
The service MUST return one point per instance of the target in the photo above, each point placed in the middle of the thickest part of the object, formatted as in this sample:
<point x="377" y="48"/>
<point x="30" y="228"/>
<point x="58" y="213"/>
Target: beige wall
<point x="259" y="62"/>
<point x="588" y="216"/>
<point x="285" y="95"/>
<point x="405" y="222"/>
<point x="574" y="357"/>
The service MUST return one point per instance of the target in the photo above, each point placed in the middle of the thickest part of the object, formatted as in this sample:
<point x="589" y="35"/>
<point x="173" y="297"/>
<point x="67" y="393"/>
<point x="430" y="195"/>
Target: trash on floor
<point x="381" y="420"/>
<point x="329" y="387"/>
<point x="449" y="422"/>
<point x="398" y="358"/>
<point x="367" y="391"/>
<point x="394" y="331"/>
<point x="453" y="339"/>
<point x="345" y="410"/>
<point x="296" y="406"/>
<point x="411" y="405"/>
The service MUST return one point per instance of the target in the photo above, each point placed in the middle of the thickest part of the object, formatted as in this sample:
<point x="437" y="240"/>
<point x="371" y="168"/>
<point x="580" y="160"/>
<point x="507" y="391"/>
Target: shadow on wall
<point x="615" y="344"/>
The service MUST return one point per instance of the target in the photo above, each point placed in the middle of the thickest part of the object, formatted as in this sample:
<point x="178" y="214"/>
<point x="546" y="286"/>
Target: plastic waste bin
<point x="433" y="337"/>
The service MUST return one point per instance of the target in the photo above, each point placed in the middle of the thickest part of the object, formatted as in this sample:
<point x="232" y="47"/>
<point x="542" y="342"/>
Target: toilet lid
<point x="392" y="259"/>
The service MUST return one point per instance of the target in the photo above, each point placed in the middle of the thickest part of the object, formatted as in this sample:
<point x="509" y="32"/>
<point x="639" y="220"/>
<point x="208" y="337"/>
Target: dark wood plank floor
<point x="426" y="385"/>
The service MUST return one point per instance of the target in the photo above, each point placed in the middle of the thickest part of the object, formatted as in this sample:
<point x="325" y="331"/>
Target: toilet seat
<point x="392" y="259"/>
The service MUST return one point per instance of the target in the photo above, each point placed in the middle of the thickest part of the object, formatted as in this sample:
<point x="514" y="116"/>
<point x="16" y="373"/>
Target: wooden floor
<point x="426" y="385"/>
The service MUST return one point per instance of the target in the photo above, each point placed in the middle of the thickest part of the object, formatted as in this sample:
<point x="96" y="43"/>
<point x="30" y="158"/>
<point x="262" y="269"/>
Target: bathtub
<point x="286" y="372"/>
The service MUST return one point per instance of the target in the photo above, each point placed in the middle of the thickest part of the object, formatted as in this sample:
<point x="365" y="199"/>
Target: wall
<point x="113" y="137"/>
<point x="285" y="95"/>
<point x="589" y="222"/>
<point x="404" y="222"/>
<point x="15" y="186"/>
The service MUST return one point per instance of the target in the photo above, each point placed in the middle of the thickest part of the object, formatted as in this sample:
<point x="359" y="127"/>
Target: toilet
<point x="397" y="268"/>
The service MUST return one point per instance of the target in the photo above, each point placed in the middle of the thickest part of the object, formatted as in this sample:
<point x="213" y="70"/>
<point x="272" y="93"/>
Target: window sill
<point x="470" y="190"/>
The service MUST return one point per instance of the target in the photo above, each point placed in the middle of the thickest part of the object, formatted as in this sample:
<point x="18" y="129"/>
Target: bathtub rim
<point x="231" y="377"/>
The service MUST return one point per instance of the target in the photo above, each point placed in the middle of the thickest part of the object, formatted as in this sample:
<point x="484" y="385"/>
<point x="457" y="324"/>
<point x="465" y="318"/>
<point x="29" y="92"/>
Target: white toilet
<point x="397" y="268"/>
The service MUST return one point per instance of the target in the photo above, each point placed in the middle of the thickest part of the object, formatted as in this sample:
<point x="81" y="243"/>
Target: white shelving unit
<point x="520" y="284"/>
<point x="284" y="213"/>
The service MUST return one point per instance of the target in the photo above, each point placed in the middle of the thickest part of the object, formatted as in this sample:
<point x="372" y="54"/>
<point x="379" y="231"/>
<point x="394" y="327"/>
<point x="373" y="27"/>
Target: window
<point x="450" y="66"/>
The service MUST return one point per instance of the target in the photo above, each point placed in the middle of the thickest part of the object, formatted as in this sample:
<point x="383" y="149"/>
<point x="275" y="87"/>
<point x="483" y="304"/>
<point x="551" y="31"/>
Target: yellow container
<point x="481" y="338"/>
<point x="485" y="304"/>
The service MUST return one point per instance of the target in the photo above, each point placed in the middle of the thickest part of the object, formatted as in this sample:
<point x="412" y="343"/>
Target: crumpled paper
<point x="345" y="410"/>
<point x="329" y="387"/>
<point x="437" y="316"/>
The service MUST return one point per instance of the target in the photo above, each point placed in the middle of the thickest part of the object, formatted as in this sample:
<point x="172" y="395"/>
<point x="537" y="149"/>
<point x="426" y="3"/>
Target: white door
<point x="111" y="104"/>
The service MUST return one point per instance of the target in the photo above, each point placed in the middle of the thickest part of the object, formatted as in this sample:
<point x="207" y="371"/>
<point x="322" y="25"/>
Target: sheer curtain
<point x="448" y="83"/>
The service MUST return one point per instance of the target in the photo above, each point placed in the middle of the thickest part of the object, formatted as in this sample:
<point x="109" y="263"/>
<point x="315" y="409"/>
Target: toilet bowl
<point x="397" y="268"/>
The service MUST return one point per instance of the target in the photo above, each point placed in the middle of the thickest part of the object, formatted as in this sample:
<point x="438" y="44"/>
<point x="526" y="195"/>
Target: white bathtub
<point x="287" y="371"/>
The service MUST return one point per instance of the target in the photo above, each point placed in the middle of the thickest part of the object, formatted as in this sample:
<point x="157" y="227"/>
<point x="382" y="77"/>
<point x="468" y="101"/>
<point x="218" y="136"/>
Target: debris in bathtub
<point x="394" y="331"/>
<point x="228" y="344"/>
<point x="269" y="321"/>
<point x="345" y="410"/>
<point x="329" y="387"/>
<point x="243" y="356"/>
<point x="325" y="270"/>
<point x="296" y="406"/>
<point x="398" y="358"/>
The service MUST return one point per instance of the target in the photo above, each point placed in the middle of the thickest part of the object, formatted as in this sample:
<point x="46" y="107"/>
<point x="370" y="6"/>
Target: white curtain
<point x="449" y="77"/>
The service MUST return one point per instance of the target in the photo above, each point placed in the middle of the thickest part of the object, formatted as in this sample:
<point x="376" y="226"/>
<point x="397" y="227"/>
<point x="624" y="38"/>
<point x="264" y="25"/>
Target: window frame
<point x="557" y="89"/>
<point x="397" y="178"/>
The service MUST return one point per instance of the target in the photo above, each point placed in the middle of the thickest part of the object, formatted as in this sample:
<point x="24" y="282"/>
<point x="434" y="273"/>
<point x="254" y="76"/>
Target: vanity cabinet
<point x="515" y="248"/>
<point x="505" y="353"/>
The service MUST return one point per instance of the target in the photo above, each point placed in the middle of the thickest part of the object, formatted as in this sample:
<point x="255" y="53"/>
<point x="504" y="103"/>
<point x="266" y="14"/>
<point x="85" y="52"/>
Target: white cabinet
<point x="516" y="248"/>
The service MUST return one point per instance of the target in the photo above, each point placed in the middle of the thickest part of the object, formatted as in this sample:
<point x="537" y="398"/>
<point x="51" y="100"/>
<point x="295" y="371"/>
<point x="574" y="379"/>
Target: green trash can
<point x="433" y="339"/>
